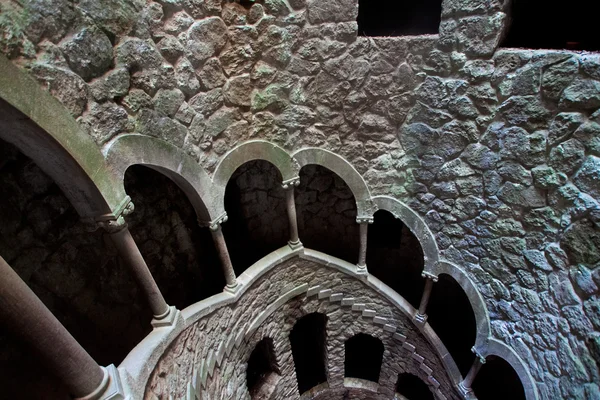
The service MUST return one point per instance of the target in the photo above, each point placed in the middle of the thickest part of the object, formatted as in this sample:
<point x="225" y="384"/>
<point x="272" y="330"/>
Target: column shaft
<point x="219" y="239"/>
<point x="362" y="254"/>
<point x="291" y="210"/>
<point x="22" y="312"/>
<point x="130" y="253"/>
<point x="475" y="368"/>
<point x="426" y="296"/>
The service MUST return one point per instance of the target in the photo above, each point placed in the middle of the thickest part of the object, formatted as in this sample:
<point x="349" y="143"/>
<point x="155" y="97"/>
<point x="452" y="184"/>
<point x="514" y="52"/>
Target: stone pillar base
<point x="466" y="392"/>
<point x="295" y="245"/>
<point x="233" y="289"/>
<point x="362" y="270"/>
<point x="165" y="320"/>
<point x="421" y="319"/>
<point x="110" y="388"/>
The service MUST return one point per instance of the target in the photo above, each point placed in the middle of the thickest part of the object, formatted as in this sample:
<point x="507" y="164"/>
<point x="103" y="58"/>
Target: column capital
<point x="478" y="355"/>
<point x="115" y="221"/>
<point x="291" y="183"/>
<point x="215" y="223"/>
<point x="365" y="220"/>
<point x="429" y="275"/>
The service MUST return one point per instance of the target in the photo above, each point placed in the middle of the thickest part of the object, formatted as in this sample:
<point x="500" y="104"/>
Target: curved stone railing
<point x="139" y="364"/>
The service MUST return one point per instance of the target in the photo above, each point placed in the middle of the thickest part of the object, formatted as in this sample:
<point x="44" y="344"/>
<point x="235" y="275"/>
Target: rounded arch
<point x="345" y="170"/>
<point x="482" y="317"/>
<point x="249" y="151"/>
<point x="134" y="149"/>
<point x="497" y="348"/>
<point x="42" y="128"/>
<point x="416" y="225"/>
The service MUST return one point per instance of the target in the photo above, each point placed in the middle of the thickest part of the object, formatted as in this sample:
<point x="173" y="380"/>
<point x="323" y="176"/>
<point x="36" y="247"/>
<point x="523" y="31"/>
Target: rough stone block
<point x="408" y="346"/>
<point x="389" y="328"/>
<point x="313" y="290"/>
<point x="358" y="307"/>
<point x="336" y="297"/>
<point x="348" y="301"/>
<point x="400" y="337"/>
<point x="325" y="294"/>
<point x="369" y="313"/>
<point x="380" y="320"/>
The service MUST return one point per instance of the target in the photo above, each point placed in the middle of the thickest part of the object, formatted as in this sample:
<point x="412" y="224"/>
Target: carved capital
<point x="215" y="223"/>
<point x="478" y="355"/>
<point x="429" y="275"/>
<point x="114" y="222"/>
<point x="364" y="220"/>
<point x="421" y="318"/>
<point x="291" y="183"/>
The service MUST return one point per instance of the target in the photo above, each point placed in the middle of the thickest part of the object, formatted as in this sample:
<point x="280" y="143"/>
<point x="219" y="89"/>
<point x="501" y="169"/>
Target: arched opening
<point x="327" y="212"/>
<point x="309" y="340"/>
<point x="255" y="205"/>
<point x="451" y="316"/>
<point x="398" y="18"/>
<point x="411" y="387"/>
<point x="533" y="25"/>
<point x="394" y="256"/>
<point x="497" y="380"/>
<point x="262" y="374"/>
<point x="76" y="273"/>
<point x="179" y="253"/>
<point x="364" y="355"/>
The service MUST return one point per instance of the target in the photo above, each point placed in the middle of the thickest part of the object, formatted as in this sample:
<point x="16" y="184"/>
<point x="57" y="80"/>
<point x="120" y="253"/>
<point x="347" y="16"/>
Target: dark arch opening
<point x="412" y="387"/>
<point x="364" y="355"/>
<point x="180" y="254"/>
<point x="398" y="17"/>
<point x="327" y="212"/>
<point x="534" y="25"/>
<point x="309" y="340"/>
<point x="255" y="205"/>
<point x="263" y="372"/>
<point x="451" y="316"/>
<point x="76" y="273"/>
<point x="394" y="256"/>
<point x="497" y="380"/>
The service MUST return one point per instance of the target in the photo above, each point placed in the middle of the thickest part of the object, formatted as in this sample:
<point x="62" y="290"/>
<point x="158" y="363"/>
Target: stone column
<point x="361" y="267"/>
<point x="164" y="315"/>
<point x="23" y="313"/>
<point x="421" y="316"/>
<point x="288" y="186"/>
<point x="466" y="385"/>
<point x="221" y="245"/>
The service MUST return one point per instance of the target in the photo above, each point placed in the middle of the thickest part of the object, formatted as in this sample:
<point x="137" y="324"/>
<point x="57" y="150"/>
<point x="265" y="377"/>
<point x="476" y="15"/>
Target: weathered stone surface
<point x="66" y="86"/>
<point x="557" y="77"/>
<point x="89" y="53"/>
<point x="332" y="11"/>
<point x="582" y="94"/>
<point x="205" y="39"/>
<point x="587" y="178"/>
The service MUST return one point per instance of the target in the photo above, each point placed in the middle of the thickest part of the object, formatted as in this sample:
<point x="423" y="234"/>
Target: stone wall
<point x="218" y="346"/>
<point x="496" y="149"/>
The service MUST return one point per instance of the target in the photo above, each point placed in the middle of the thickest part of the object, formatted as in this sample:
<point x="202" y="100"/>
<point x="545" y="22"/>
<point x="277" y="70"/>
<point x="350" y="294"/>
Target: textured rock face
<point x="496" y="149"/>
<point x="206" y="341"/>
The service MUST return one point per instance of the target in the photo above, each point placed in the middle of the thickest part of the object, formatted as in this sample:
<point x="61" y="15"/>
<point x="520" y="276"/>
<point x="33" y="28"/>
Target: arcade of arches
<point x="274" y="199"/>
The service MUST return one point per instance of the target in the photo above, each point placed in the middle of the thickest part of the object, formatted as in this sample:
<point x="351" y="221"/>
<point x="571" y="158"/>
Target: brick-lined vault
<point x="184" y="179"/>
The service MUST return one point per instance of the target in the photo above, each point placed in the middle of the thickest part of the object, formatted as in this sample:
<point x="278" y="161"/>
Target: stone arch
<point x="249" y="151"/>
<point x="497" y="348"/>
<point x="482" y="317"/>
<point x="42" y="128"/>
<point x="416" y="225"/>
<point x="128" y="150"/>
<point x="345" y="170"/>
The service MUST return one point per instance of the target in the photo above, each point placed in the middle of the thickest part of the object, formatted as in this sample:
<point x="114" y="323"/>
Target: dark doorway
<point x="327" y="213"/>
<point x="308" y="339"/>
<point x="497" y="380"/>
<point x="180" y="254"/>
<point x="394" y="256"/>
<point x="413" y="388"/>
<point x="364" y="355"/>
<point x="398" y="17"/>
<point x="262" y="366"/>
<point x="550" y="24"/>
<point x="451" y="316"/>
<point x="255" y="205"/>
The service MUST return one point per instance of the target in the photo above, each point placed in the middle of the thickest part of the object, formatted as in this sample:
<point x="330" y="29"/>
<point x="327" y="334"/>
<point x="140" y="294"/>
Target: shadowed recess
<point x="394" y="256"/>
<point x="497" y="380"/>
<point x="180" y="254"/>
<point x="452" y="317"/>
<point x="413" y="388"/>
<point x="308" y="339"/>
<point x="364" y="355"/>
<point x="326" y="211"/>
<point x="262" y="365"/>
<point x="255" y="205"/>
<point x="543" y="24"/>
<point x="398" y="17"/>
